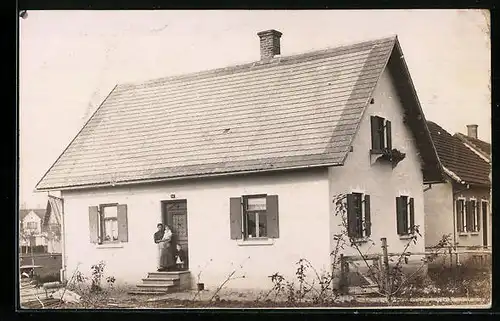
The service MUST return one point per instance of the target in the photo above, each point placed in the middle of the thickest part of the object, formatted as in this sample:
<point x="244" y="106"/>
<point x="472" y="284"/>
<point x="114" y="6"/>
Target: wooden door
<point x="175" y="216"/>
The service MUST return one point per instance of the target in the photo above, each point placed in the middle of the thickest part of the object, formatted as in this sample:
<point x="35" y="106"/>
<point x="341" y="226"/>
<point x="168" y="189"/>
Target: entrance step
<point x="159" y="283"/>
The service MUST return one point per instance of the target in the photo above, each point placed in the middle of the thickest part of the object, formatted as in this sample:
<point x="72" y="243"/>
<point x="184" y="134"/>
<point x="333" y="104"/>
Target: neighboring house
<point x="243" y="163"/>
<point x="461" y="207"/>
<point x="30" y="230"/>
<point x="482" y="148"/>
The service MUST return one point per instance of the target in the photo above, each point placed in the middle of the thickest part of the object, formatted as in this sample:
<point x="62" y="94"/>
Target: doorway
<point x="174" y="214"/>
<point x="484" y="210"/>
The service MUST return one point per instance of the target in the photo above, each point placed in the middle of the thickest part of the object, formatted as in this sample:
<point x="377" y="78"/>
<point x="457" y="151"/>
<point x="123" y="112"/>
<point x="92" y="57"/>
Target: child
<point x="180" y="257"/>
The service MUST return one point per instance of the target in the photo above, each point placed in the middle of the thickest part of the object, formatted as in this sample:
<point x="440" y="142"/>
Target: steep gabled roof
<point x="291" y="112"/>
<point x="24" y="212"/>
<point x="478" y="145"/>
<point x="459" y="161"/>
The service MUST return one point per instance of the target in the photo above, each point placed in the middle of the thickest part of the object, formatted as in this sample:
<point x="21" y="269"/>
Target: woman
<point x="162" y="237"/>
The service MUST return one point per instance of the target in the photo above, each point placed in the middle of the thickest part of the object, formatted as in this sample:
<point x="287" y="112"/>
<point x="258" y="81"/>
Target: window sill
<point x="406" y="237"/>
<point x="109" y="246"/>
<point x="468" y="234"/>
<point x="255" y="242"/>
<point x="376" y="151"/>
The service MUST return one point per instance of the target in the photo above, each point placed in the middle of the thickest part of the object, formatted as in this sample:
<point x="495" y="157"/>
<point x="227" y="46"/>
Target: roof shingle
<point x="295" y="111"/>
<point x="459" y="159"/>
<point x="480" y="146"/>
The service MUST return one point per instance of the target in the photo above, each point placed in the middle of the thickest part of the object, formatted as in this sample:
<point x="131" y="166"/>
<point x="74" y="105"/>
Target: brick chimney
<point x="472" y="131"/>
<point x="269" y="43"/>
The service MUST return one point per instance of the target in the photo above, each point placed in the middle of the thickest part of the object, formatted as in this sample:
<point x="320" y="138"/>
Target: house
<point x="30" y="230"/>
<point x="52" y="224"/>
<point x="243" y="163"/>
<point x="41" y="228"/>
<point x="462" y="206"/>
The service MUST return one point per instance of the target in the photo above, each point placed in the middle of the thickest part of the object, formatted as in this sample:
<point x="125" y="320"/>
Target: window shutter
<point x="273" y="230"/>
<point x="460" y="224"/>
<point x="401" y="215"/>
<point x="478" y="216"/>
<point x="412" y="215"/>
<point x="368" y="222"/>
<point x="94" y="224"/>
<point x="122" y="223"/>
<point x="351" y="216"/>
<point x="375" y="135"/>
<point x="235" y="217"/>
<point x="468" y="216"/>
<point x="388" y="135"/>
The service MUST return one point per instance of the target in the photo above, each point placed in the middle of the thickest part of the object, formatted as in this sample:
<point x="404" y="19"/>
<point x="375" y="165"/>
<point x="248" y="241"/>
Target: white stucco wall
<point x="438" y="207"/>
<point x="303" y="213"/>
<point x="381" y="181"/>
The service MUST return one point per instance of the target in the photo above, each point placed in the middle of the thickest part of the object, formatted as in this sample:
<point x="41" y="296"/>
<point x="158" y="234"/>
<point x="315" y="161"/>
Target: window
<point x="381" y="134"/>
<point x="473" y="216"/>
<point x="358" y="215"/>
<point x="108" y="223"/>
<point x="405" y="215"/>
<point x="461" y="218"/>
<point x="468" y="215"/>
<point x="31" y="226"/>
<point x="254" y="217"/>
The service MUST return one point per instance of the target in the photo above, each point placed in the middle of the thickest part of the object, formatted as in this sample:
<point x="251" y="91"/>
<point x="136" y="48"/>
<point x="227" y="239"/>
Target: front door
<point x="175" y="216"/>
<point x="484" y="210"/>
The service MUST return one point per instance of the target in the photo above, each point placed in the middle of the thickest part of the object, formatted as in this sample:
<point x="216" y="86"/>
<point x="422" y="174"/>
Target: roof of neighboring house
<point x="290" y="112"/>
<point x="480" y="146"/>
<point x="38" y="211"/>
<point x="463" y="163"/>
<point x="54" y="207"/>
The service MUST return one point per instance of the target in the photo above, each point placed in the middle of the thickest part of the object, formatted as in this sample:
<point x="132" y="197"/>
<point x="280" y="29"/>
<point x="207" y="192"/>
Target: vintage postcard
<point x="255" y="159"/>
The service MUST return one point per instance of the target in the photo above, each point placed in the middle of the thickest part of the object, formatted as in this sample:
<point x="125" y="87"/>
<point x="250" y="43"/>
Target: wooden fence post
<point x="343" y="275"/>
<point x="386" y="267"/>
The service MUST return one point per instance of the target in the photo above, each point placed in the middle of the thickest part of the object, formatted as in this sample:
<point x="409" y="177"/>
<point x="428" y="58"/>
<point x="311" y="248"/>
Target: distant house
<point x="40" y="231"/>
<point x="52" y="225"/>
<point x="461" y="207"/>
<point x="243" y="163"/>
<point x="31" y="228"/>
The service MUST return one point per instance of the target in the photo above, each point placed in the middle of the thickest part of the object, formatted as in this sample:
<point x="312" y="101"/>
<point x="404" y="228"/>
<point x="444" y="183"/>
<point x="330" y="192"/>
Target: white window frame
<point x="474" y="213"/>
<point x="244" y="225"/>
<point x="463" y="215"/>
<point x="102" y="223"/>
<point x="408" y="196"/>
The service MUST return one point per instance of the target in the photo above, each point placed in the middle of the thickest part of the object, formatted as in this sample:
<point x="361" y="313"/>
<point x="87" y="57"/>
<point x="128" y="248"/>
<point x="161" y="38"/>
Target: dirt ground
<point x="248" y="300"/>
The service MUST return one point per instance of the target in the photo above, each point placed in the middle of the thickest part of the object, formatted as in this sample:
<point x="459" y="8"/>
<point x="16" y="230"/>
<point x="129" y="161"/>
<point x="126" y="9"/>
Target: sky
<point x="70" y="60"/>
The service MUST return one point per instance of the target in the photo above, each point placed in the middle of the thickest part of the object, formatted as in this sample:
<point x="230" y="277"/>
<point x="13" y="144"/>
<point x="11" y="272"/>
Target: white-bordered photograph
<point x="254" y="159"/>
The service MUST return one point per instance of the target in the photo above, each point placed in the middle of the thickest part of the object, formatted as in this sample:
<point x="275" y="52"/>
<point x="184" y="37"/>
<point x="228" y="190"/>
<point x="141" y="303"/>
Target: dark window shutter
<point x="388" y="135"/>
<point x="272" y="211"/>
<point x="368" y="222"/>
<point x="351" y="216"/>
<point x="468" y="216"/>
<point x="94" y="224"/>
<point x="458" y="210"/>
<point x="478" y="216"/>
<point x="235" y="217"/>
<point x="401" y="215"/>
<point x="375" y="133"/>
<point x="122" y="223"/>
<point x="412" y="215"/>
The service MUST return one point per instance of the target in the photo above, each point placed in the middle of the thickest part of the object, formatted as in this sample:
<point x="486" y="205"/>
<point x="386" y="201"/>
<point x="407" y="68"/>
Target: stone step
<point x="154" y="286"/>
<point x="165" y="275"/>
<point x="166" y="281"/>
<point x="147" y="292"/>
